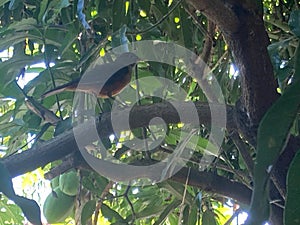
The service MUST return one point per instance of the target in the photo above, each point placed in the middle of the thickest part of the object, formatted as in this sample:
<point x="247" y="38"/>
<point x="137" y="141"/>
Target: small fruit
<point x="58" y="206"/>
<point x="69" y="183"/>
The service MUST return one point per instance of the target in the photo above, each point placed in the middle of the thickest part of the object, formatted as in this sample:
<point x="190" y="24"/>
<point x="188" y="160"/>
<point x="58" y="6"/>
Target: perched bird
<point x="105" y="80"/>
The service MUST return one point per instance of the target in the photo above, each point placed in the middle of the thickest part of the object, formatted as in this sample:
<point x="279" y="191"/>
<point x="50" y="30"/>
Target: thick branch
<point x="206" y="181"/>
<point x="218" y="12"/>
<point x="214" y="183"/>
<point x="244" y="31"/>
<point x="64" y="144"/>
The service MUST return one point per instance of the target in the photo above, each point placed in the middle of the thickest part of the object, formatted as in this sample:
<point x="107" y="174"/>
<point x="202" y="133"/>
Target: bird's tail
<point x="56" y="90"/>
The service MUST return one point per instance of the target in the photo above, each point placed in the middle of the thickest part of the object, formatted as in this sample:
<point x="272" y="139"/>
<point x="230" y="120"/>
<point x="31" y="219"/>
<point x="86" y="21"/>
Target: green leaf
<point x="31" y="120"/>
<point x="68" y="41"/>
<point x="11" y="91"/>
<point x="11" y="68"/>
<point x="169" y="209"/>
<point x="173" y="219"/>
<point x="119" y="15"/>
<point x="94" y="183"/>
<point x="87" y="211"/>
<point x="10" y="213"/>
<point x="294" y="22"/>
<point x="193" y="216"/>
<point x="292" y="207"/>
<point x="297" y="63"/>
<point x="62" y="126"/>
<point x="59" y="4"/>
<point x="23" y="25"/>
<point x="147" y="212"/>
<point x="111" y="215"/>
<point x="145" y="5"/>
<point x="274" y="50"/>
<point x="43" y="7"/>
<point x="15" y="4"/>
<point x="208" y="218"/>
<point x="2" y="2"/>
<point x="186" y="27"/>
<point x="273" y="134"/>
<point x="177" y="190"/>
<point x="189" y="215"/>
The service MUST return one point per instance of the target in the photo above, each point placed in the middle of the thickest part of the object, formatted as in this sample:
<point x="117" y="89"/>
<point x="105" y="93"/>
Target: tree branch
<point x="214" y="183"/>
<point x="206" y="181"/>
<point x="65" y="144"/>
<point x="57" y="148"/>
<point x="243" y="29"/>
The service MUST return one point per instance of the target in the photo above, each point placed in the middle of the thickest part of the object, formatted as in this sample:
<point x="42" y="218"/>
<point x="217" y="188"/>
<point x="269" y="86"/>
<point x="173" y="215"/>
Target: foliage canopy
<point x="251" y="47"/>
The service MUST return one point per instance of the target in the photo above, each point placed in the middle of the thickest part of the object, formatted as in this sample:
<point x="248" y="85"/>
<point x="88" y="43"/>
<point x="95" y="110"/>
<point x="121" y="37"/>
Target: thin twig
<point x="235" y="214"/>
<point x="183" y="197"/>
<point x="196" y="21"/>
<point x="100" y="202"/>
<point x="130" y="204"/>
<point x="242" y="148"/>
<point x="200" y="64"/>
<point x="51" y="74"/>
<point x="144" y="129"/>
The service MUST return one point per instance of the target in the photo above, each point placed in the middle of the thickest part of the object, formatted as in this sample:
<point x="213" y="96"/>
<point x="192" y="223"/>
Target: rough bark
<point x="243" y="28"/>
<point x="64" y="144"/>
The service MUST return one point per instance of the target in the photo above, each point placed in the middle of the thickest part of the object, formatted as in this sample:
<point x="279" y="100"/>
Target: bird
<point x="105" y="80"/>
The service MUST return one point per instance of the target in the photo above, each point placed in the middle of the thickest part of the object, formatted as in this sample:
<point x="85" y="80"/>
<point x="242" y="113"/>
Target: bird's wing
<point x="93" y="79"/>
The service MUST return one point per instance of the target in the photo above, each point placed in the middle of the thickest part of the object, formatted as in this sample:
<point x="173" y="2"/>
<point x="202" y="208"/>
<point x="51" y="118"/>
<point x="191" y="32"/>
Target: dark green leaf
<point x="193" y="216"/>
<point x="32" y="121"/>
<point x="95" y="183"/>
<point x="169" y="209"/>
<point x="177" y="190"/>
<point x="63" y="126"/>
<point x="173" y="219"/>
<point x="292" y="207"/>
<point x="294" y="22"/>
<point x="111" y="215"/>
<point x="148" y="212"/>
<point x="208" y="218"/>
<point x="297" y="63"/>
<point x="2" y="2"/>
<point x="273" y="134"/>
<point x="145" y="5"/>
<point x="23" y="25"/>
<point x="186" y="27"/>
<point x="87" y="211"/>
<point x="119" y="15"/>
<point x="189" y="215"/>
